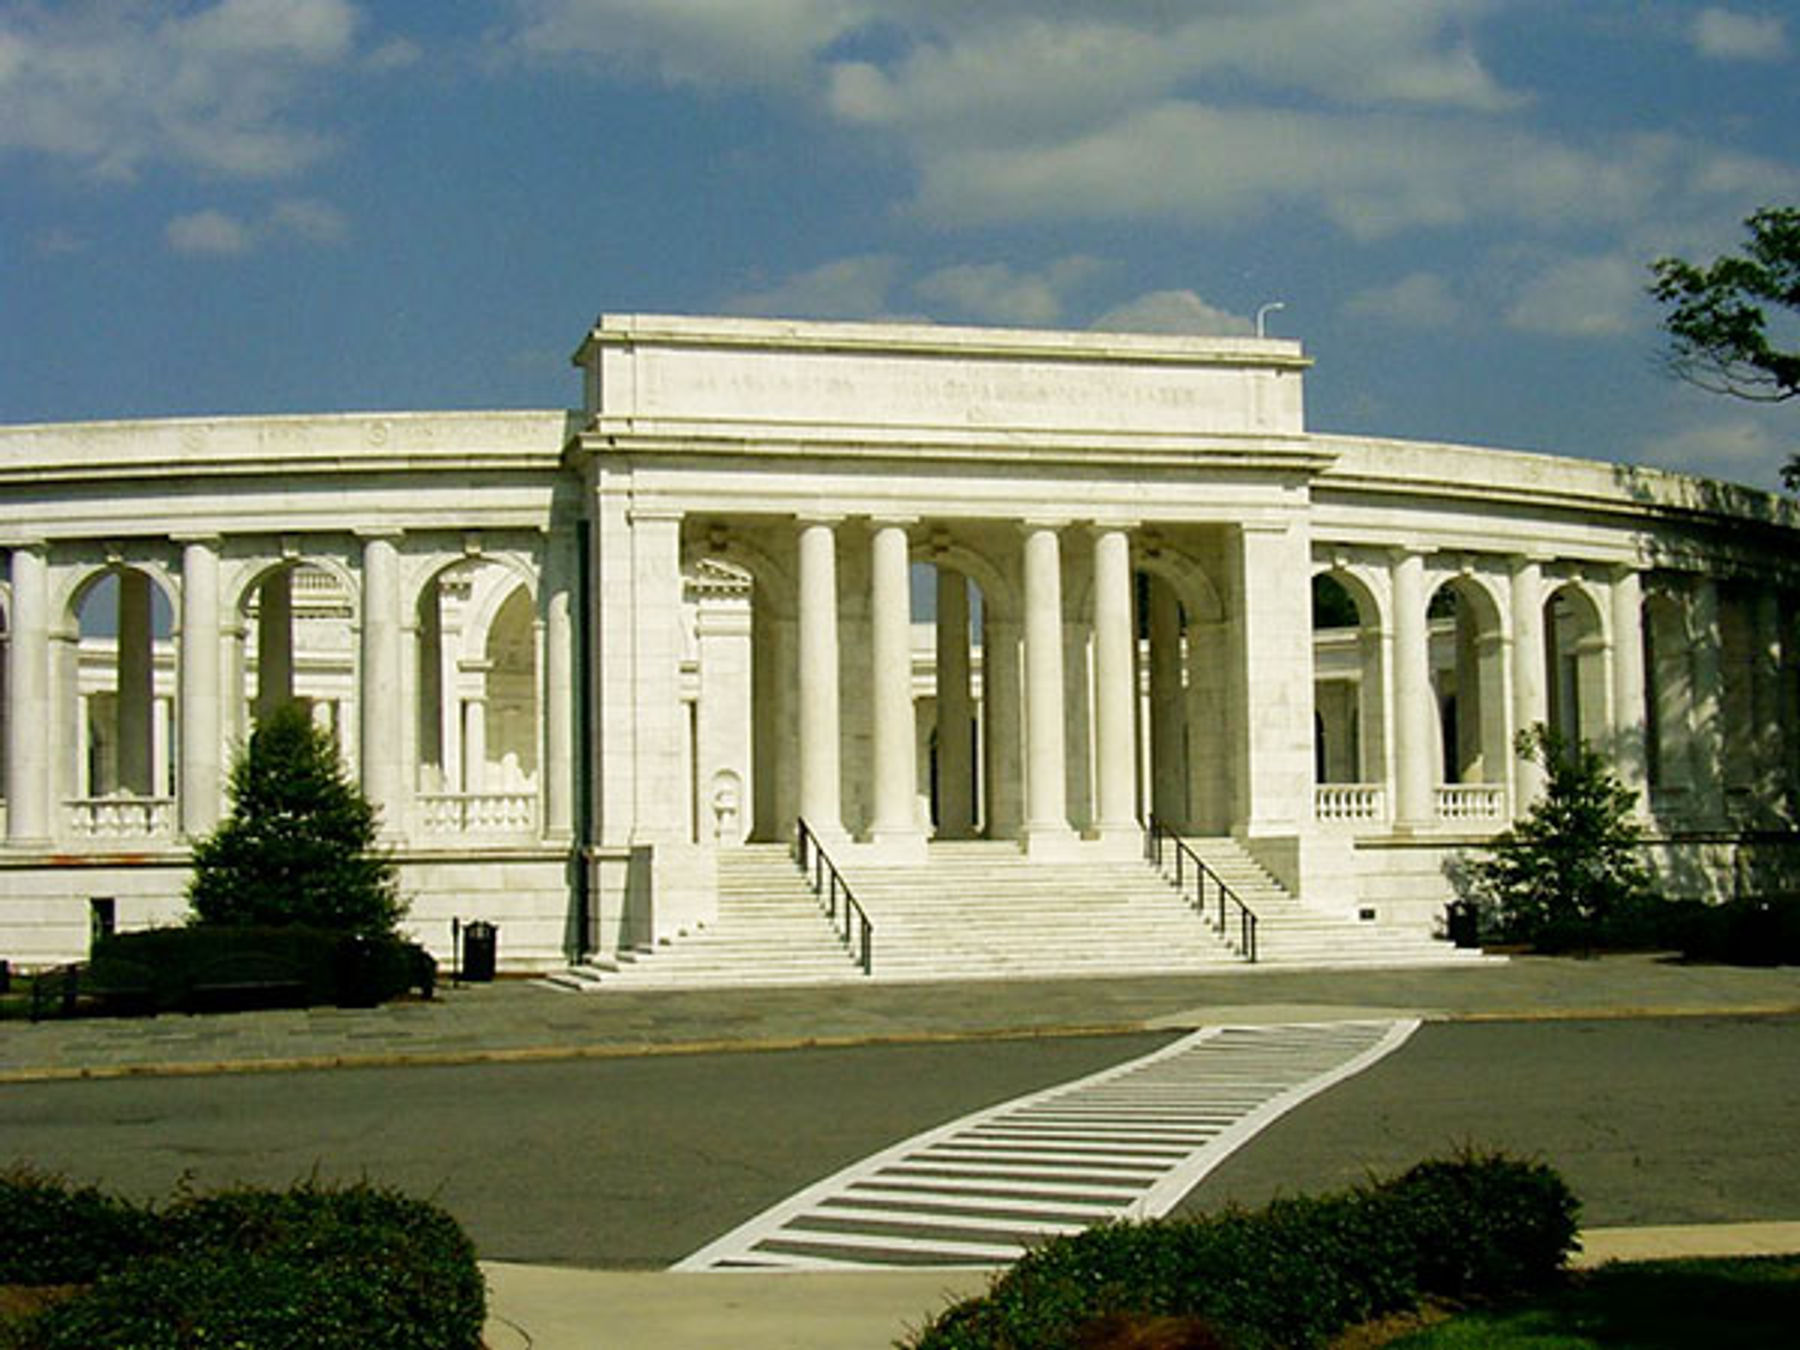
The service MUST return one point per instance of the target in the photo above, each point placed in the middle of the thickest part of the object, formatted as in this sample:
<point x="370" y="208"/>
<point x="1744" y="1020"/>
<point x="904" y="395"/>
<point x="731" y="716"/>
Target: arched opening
<point x="477" y="654"/>
<point x="1468" y="676"/>
<point x="125" y="687"/>
<point x="1338" y="674"/>
<point x="1185" y="693"/>
<point x="1575" y="677"/>
<point x="300" y="646"/>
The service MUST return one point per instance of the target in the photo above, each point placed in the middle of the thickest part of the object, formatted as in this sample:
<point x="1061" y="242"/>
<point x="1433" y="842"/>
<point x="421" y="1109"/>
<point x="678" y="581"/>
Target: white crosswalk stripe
<point x="1127" y="1142"/>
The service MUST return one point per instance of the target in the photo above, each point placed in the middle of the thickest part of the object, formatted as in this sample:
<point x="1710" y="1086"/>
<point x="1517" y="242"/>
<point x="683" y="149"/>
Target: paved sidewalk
<point x="550" y="1309"/>
<point x="521" y="1020"/>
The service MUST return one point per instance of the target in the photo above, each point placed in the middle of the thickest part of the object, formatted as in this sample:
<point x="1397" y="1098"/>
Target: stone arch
<point x="1467" y="639"/>
<point x="1575" y="655"/>
<point x="1350" y="681"/>
<point x="1186" y="776"/>
<point x="478" y="659"/>
<point x="299" y="616"/>
<point x="963" y="770"/>
<point x="121" y="690"/>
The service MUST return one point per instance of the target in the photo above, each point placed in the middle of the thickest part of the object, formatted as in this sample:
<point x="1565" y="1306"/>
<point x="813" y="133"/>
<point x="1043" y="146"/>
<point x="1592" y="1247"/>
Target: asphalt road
<point x="623" y="1163"/>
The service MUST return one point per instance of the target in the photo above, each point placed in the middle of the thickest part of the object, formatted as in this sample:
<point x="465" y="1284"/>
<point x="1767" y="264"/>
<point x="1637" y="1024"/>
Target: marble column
<point x="955" y="709"/>
<point x="136" y="671"/>
<point x="818" y="678"/>
<point x="474" y="742"/>
<point x="380" y="698"/>
<point x="1415" y="708"/>
<point x="202" y="698"/>
<point x="1002" y="705"/>
<point x="28" y="712"/>
<point x="895" y="821"/>
<point x="1168" y="777"/>
<point x="1531" y="697"/>
<point x="275" y="641"/>
<point x="1114" y="693"/>
<point x="1046" y="808"/>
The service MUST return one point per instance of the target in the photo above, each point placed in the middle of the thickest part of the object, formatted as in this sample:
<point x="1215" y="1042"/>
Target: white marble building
<point x="906" y="583"/>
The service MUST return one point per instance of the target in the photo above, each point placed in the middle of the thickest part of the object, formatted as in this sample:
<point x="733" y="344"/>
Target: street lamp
<point x="1263" y="313"/>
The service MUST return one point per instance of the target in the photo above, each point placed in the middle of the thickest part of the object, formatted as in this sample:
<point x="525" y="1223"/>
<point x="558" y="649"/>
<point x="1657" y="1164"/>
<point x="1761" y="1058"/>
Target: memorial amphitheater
<point x="993" y="631"/>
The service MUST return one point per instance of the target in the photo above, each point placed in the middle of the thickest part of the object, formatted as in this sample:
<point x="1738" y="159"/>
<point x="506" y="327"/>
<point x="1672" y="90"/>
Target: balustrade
<point x="120" y="816"/>
<point x="464" y="813"/>
<point x="1471" y="801"/>
<point x="1350" y="801"/>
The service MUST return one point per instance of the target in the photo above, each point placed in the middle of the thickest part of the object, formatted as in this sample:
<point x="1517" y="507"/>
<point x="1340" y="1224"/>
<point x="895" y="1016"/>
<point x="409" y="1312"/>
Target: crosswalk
<point x="1127" y="1142"/>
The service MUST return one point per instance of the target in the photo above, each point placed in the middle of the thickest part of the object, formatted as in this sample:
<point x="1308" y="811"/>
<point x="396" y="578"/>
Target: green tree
<point x="1721" y="335"/>
<point x="299" y="846"/>
<point x="1569" y="873"/>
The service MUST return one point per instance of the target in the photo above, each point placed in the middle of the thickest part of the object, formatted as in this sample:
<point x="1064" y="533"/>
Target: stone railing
<point x="1349" y="802"/>
<point x="120" y="816"/>
<point x="466" y="813"/>
<point x="1471" y="801"/>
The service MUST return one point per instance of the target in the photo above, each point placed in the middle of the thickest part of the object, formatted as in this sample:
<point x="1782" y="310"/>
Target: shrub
<point x="1757" y="931"/>
<point x="1292" y="1274"/>
<point x="329" y="1268"/>
<point x="213" y="967"/>
<point x="300" y="843"/>
<point x="52" y="1233"/>
<point x="1484" y="1225"/>
<point x="1568" y="874"/>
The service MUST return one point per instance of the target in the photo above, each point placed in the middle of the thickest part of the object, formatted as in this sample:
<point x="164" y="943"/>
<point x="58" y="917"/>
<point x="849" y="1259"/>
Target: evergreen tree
<point x="299" y="844"/>
<point x="1570" y="870"/>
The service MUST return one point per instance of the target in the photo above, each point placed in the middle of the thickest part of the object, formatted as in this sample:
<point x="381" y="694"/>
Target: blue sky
<point x="220" y="206"/>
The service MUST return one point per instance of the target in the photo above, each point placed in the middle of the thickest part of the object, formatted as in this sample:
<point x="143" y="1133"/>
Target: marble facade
<point x="902" y="582"/>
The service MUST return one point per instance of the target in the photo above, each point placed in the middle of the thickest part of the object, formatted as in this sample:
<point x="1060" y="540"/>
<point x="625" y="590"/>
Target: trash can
<point x="1461" y="923"/>
<point x="479" y="941"/>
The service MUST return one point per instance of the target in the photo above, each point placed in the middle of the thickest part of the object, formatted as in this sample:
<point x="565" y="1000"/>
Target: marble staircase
<point x="979" y="910"/>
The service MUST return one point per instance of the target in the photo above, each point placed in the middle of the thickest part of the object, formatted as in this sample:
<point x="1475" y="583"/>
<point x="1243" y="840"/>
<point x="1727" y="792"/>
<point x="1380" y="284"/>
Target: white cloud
<point x="1595" y="297"/>
<point x="1178" y="311"/>
<point x="1726" y="35"/>
<point x="217" y="232"/>
<point x="848" y="288"/>
<point x="313" y="222"/>
<point x="211" y="232"/>
<point x="117" y="84"/>
<point x="702" y="42"/>
<point x="999" y="293"/>
<point x="1417" y="300"/>
<point x="1736" y="445"/>
<point x="1381" y="116"/>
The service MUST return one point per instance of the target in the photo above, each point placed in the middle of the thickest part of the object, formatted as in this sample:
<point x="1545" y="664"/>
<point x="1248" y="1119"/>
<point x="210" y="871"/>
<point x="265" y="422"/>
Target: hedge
<point x="331" y="1268"/>
<point x="55" y="1233"/>
<point x="1293" y="1274"/>
<point x="209" y="967"/>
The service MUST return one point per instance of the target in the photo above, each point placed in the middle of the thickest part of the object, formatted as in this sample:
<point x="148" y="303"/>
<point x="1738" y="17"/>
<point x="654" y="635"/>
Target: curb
<point x="1162" y="1023"/>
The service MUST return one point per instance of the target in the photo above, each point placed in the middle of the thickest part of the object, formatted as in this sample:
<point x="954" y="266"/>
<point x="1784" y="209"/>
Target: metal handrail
<point x="1155" y="836"/>
<point x="828" y="884"/>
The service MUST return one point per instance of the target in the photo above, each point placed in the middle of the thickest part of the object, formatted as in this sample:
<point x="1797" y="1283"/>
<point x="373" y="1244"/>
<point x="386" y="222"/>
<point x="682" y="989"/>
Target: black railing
<point x="853" y="927"/>
<point x="1219" y="907"/>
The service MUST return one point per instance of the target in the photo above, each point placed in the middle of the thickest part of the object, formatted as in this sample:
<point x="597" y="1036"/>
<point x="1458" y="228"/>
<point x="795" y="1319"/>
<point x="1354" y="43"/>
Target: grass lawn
<point x="1746" y="1303"/>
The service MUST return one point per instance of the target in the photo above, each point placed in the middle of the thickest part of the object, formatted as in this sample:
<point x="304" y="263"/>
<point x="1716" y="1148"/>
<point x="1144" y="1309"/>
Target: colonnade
<point x="378" y="569"/>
